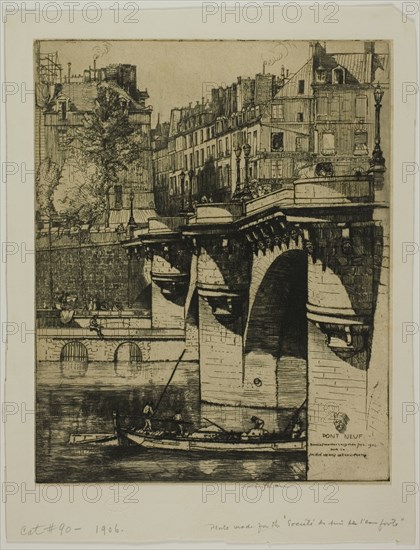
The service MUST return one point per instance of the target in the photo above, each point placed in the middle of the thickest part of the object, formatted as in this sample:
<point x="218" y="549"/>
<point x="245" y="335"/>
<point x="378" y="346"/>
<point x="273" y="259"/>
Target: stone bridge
<point x="286" y="299"/>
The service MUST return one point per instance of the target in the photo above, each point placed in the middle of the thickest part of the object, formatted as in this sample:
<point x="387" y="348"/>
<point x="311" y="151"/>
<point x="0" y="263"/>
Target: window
<point x="335" y="108"/>
<point x="321" y="75"/>
<point x="361" y="107"/>
<point x="360" y="142"/>
<point x="63" y="110"/>
<point x="254" y="142"/>
<point x="118" y="197"/>
<point x="185" y="162"/>
<point x="220" y="146"/>
<point x="197" y="162"/>
<point x="227" y="175"/>
<point x="277" y="141"/>
<point x="322" y="107"/>
<point x="201" y="136"/>
<point x="277" y="111"/>
<point x="191" y="160"/>
<point x="227" y="146"/>
<point x="328" y="143"/>
<point x="208" y="152"/>
<point x="299" y="117"/>
<point x="62" y="138"/>
<point x="277" y="169"/>
<point x="213" y="151"/>
<point x="299" y="143"/>
<point x="346" y="110"/>
<point x="195" y="138"/>
<point x="208" y="133"/>
<point x="202" y="156"/>
<point x="191" y="140"/>
<point x="301" y="87"/>
<point x="338" y="76"/>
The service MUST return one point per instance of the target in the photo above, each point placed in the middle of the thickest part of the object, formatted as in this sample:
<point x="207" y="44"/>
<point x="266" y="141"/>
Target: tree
<point x="79" y="201"/>
<point x="79" y="198"/>
<point x="108" y="141"/>
<point x="47" y="181"/>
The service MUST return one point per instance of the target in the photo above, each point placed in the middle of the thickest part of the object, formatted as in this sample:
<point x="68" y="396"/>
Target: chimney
<point x="94" y="68"/>
<point x="282" y="72"/>
<point x="369" y="47"/>
<point x="68" y="71"/>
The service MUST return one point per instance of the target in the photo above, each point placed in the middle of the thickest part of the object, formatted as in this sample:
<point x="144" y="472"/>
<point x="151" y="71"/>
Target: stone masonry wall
<point x="49" y="348"/>
<point x="98" y="268"/>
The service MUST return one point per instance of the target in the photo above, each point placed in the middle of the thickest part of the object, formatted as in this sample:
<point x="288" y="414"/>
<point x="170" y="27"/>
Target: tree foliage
<point x="79" y="198"/>
<point x="99" y="155"/>
<point x="47" y="181"/>
<point x="107" y="139"/>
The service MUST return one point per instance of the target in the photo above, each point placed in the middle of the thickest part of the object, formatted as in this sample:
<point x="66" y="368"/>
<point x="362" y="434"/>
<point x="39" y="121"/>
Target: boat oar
<point x="214" y="424"/>
<point x="169" y="381"/>
<point x="294" y="418"/>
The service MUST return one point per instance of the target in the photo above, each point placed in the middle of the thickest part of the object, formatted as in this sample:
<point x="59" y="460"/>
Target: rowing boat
<point x="201" y="441"/>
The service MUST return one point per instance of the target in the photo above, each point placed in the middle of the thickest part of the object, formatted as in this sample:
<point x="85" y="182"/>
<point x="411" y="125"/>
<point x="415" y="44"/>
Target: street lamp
<point x="237" y="194"/>
<point x="246" y="192"/>
<point x="190" y="207"/>
<point x="131" y="221"/>
<point x="182" y="176"/>
<point x="377" y="161"/>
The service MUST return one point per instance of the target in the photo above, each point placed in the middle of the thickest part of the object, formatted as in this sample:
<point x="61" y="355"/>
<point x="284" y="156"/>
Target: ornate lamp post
<point x="190" y="207"/>
<point x="246" y="192"/>
<point x="182" y="177"/>
<point x="131" y="221"/>
<point x="237" y="194"/>
<point x="131" y="228"/>
<point x="377" y="161"/>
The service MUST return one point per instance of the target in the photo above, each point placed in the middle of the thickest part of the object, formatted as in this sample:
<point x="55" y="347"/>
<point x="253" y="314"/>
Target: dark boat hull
<point x="196" y="445"/>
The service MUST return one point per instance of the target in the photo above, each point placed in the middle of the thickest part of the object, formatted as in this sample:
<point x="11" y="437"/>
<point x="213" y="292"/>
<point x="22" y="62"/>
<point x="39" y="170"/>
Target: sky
<point x="178" y="72"/>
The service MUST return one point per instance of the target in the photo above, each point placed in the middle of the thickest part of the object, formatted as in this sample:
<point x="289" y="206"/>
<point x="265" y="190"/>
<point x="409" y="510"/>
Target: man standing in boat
<point x="179" y="421"/>
<point x="148" y="413"/>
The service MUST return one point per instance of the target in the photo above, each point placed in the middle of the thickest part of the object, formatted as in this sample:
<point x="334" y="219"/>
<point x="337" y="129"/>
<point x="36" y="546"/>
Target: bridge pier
<point x="169" y="288"/>
<point x="222" y="280"/>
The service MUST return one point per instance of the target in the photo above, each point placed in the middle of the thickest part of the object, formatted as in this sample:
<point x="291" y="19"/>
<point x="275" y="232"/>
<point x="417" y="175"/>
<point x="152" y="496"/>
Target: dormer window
<point x="338" y="75"/>
<point x="321" y="75"/>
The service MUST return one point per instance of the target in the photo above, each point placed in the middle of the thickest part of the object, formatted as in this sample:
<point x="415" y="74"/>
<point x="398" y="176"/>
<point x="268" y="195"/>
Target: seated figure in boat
<point x="298" y="431"/>
<point x="257" y="430"/>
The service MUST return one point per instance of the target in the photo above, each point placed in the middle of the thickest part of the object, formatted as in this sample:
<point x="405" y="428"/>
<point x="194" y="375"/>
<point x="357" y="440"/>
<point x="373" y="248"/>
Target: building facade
<point x="318" y="121"/>
<point x="68" y="99"/>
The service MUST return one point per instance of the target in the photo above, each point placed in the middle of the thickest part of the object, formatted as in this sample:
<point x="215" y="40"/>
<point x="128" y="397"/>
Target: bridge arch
<point x="276" y="333"/>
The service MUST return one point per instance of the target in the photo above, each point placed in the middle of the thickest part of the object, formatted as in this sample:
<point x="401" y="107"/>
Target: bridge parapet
<point x="334" y="190"/>
<point x="216" y="213"/>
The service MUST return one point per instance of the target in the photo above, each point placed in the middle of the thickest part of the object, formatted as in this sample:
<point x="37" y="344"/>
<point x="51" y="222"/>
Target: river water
<point x="80" y="399"/>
